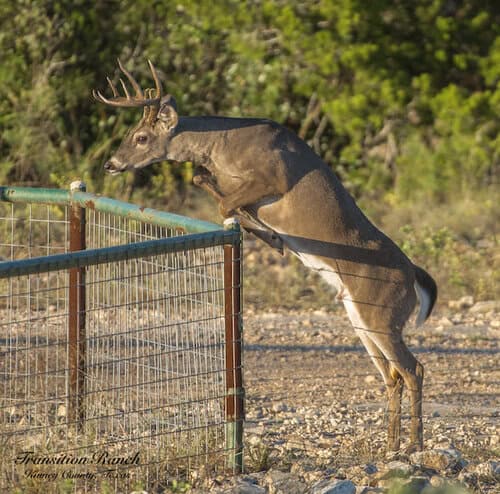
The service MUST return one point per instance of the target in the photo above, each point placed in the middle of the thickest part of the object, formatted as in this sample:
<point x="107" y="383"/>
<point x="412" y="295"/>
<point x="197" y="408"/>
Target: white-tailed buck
<point x="284" y="193"/>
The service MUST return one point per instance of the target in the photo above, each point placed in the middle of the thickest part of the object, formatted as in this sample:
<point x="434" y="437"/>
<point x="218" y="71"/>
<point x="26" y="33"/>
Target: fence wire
<point x="151" y="397"/>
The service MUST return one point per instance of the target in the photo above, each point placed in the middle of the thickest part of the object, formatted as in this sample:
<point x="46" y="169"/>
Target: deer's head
<point x="146" y="142"/>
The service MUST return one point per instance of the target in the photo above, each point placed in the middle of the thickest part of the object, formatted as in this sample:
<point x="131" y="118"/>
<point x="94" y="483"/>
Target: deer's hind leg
<point x="394" y="387"/>
<point x="404" y="366"/>
<point x="412" y="372"/>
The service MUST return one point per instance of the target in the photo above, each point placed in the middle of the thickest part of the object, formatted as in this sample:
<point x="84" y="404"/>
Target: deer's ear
<point x="167" y="114"/>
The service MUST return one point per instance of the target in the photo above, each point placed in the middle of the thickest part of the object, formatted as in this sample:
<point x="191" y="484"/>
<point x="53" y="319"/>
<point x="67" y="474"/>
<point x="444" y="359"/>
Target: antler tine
<point x="147" y="109"/>
<point x="96" y="95"/>
<point x="113" y="87"/>
<point x="159" y="89"/>
<point x="99" y="97"/>
<point x="133" y="82"/>
<point x="125" y="90"/>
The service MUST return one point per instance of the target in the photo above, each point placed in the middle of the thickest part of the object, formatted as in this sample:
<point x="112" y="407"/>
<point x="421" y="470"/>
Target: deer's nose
<point x="114" y="166"/>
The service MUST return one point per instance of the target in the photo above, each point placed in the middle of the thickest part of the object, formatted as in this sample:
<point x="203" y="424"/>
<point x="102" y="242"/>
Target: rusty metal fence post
<point x="234" y="378"/>
<point x="76" y="316"/>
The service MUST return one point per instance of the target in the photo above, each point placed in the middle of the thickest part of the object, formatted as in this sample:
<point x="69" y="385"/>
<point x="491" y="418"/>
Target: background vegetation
<point x="400" y="97"/>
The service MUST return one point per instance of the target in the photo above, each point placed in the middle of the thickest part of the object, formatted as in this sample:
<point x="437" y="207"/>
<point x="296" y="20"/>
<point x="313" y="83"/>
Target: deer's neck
<point x="193" y="140"/>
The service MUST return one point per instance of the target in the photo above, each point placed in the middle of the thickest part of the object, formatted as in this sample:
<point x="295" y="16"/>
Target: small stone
<point x="488" y="469"/>
<point x="254" y="440"/>
<point x="462" y="303"/>
<point x="370" y="469"/>
<point x="301" y="468"/>
<point x="438" y="459"/>
<point x="485" y="243"/>
<point x="283" y="483"/>
<point x="437" y="481"/>
<point x="314" y="476"/>
<point x="334" y="487"/>
<point x="445" y="322"/>
<point x="485" y="306"/>
<point x="279" y="407"/>
<point x="397" y="469"/>
<point x="244" y="486"/>
<point x="370" y="379"/>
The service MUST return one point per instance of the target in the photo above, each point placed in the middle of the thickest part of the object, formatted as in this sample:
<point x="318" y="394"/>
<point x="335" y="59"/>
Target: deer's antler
<point x="139" y="100"/>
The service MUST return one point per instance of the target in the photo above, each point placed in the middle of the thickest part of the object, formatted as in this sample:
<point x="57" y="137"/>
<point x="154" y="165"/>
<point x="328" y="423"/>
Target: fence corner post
<point x="234" y="407"/>
<point x="76" y="316"/>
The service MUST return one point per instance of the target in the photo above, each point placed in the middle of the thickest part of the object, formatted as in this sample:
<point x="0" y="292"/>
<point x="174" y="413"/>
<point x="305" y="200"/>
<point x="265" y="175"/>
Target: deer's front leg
<point x="246" y="194"/>
<point x="246" y="220"/>
<point x="204" y="182"/>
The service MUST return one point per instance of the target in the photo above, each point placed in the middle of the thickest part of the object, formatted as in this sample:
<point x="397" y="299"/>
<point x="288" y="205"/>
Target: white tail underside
<point x="424" y="301"/>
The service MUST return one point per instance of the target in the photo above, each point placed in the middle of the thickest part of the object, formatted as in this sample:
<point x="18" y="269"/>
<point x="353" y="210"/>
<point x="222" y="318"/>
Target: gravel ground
<point x="316" y="409"/>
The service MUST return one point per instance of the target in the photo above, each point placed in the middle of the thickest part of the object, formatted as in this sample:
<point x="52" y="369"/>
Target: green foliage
<point x="179" y="486"/>
<point x="459" y="266"/>
<point x="396" y="96"/>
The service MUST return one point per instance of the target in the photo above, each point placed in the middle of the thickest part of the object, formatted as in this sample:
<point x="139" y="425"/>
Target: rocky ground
<point x="316" y="414"/>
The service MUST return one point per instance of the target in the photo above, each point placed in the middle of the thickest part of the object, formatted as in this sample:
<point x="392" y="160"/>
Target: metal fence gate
<point x="120" y="343"/>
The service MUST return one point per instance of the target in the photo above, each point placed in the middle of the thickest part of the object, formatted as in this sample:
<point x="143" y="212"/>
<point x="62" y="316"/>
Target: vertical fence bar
<point x="76" y="317"/>
<point x="234" y="379"/>
<point x="238" y="341"/>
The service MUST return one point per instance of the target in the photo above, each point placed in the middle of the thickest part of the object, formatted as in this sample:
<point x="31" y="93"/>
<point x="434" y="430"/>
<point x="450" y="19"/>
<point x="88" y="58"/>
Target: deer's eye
<point x="141" y="139"/>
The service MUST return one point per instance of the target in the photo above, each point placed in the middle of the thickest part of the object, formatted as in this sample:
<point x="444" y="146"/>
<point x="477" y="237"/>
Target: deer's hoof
<point x="199" y="179"/>
<point x="226" y="212"/>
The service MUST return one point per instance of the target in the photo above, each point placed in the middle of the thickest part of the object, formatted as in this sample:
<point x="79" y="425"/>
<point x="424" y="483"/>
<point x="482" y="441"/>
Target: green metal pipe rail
<point x="197" y="234"/>
<point x="89" y="257"/>
<point x="105" y="205"/>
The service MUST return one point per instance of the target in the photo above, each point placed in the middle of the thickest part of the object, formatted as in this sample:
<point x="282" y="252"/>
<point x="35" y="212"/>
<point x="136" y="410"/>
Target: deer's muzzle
<point x="112" y="167"/>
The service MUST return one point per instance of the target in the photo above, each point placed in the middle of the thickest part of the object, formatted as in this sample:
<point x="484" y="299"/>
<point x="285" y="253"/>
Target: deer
<point x="279" y="189"/>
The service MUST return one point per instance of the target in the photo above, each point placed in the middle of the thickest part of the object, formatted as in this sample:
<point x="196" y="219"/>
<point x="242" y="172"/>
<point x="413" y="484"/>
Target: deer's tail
<point x="427" y="291"/>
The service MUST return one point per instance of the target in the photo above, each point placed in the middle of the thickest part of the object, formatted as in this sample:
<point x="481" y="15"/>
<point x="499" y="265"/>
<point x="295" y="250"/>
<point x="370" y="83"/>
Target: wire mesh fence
<point x="119" y="364"/>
